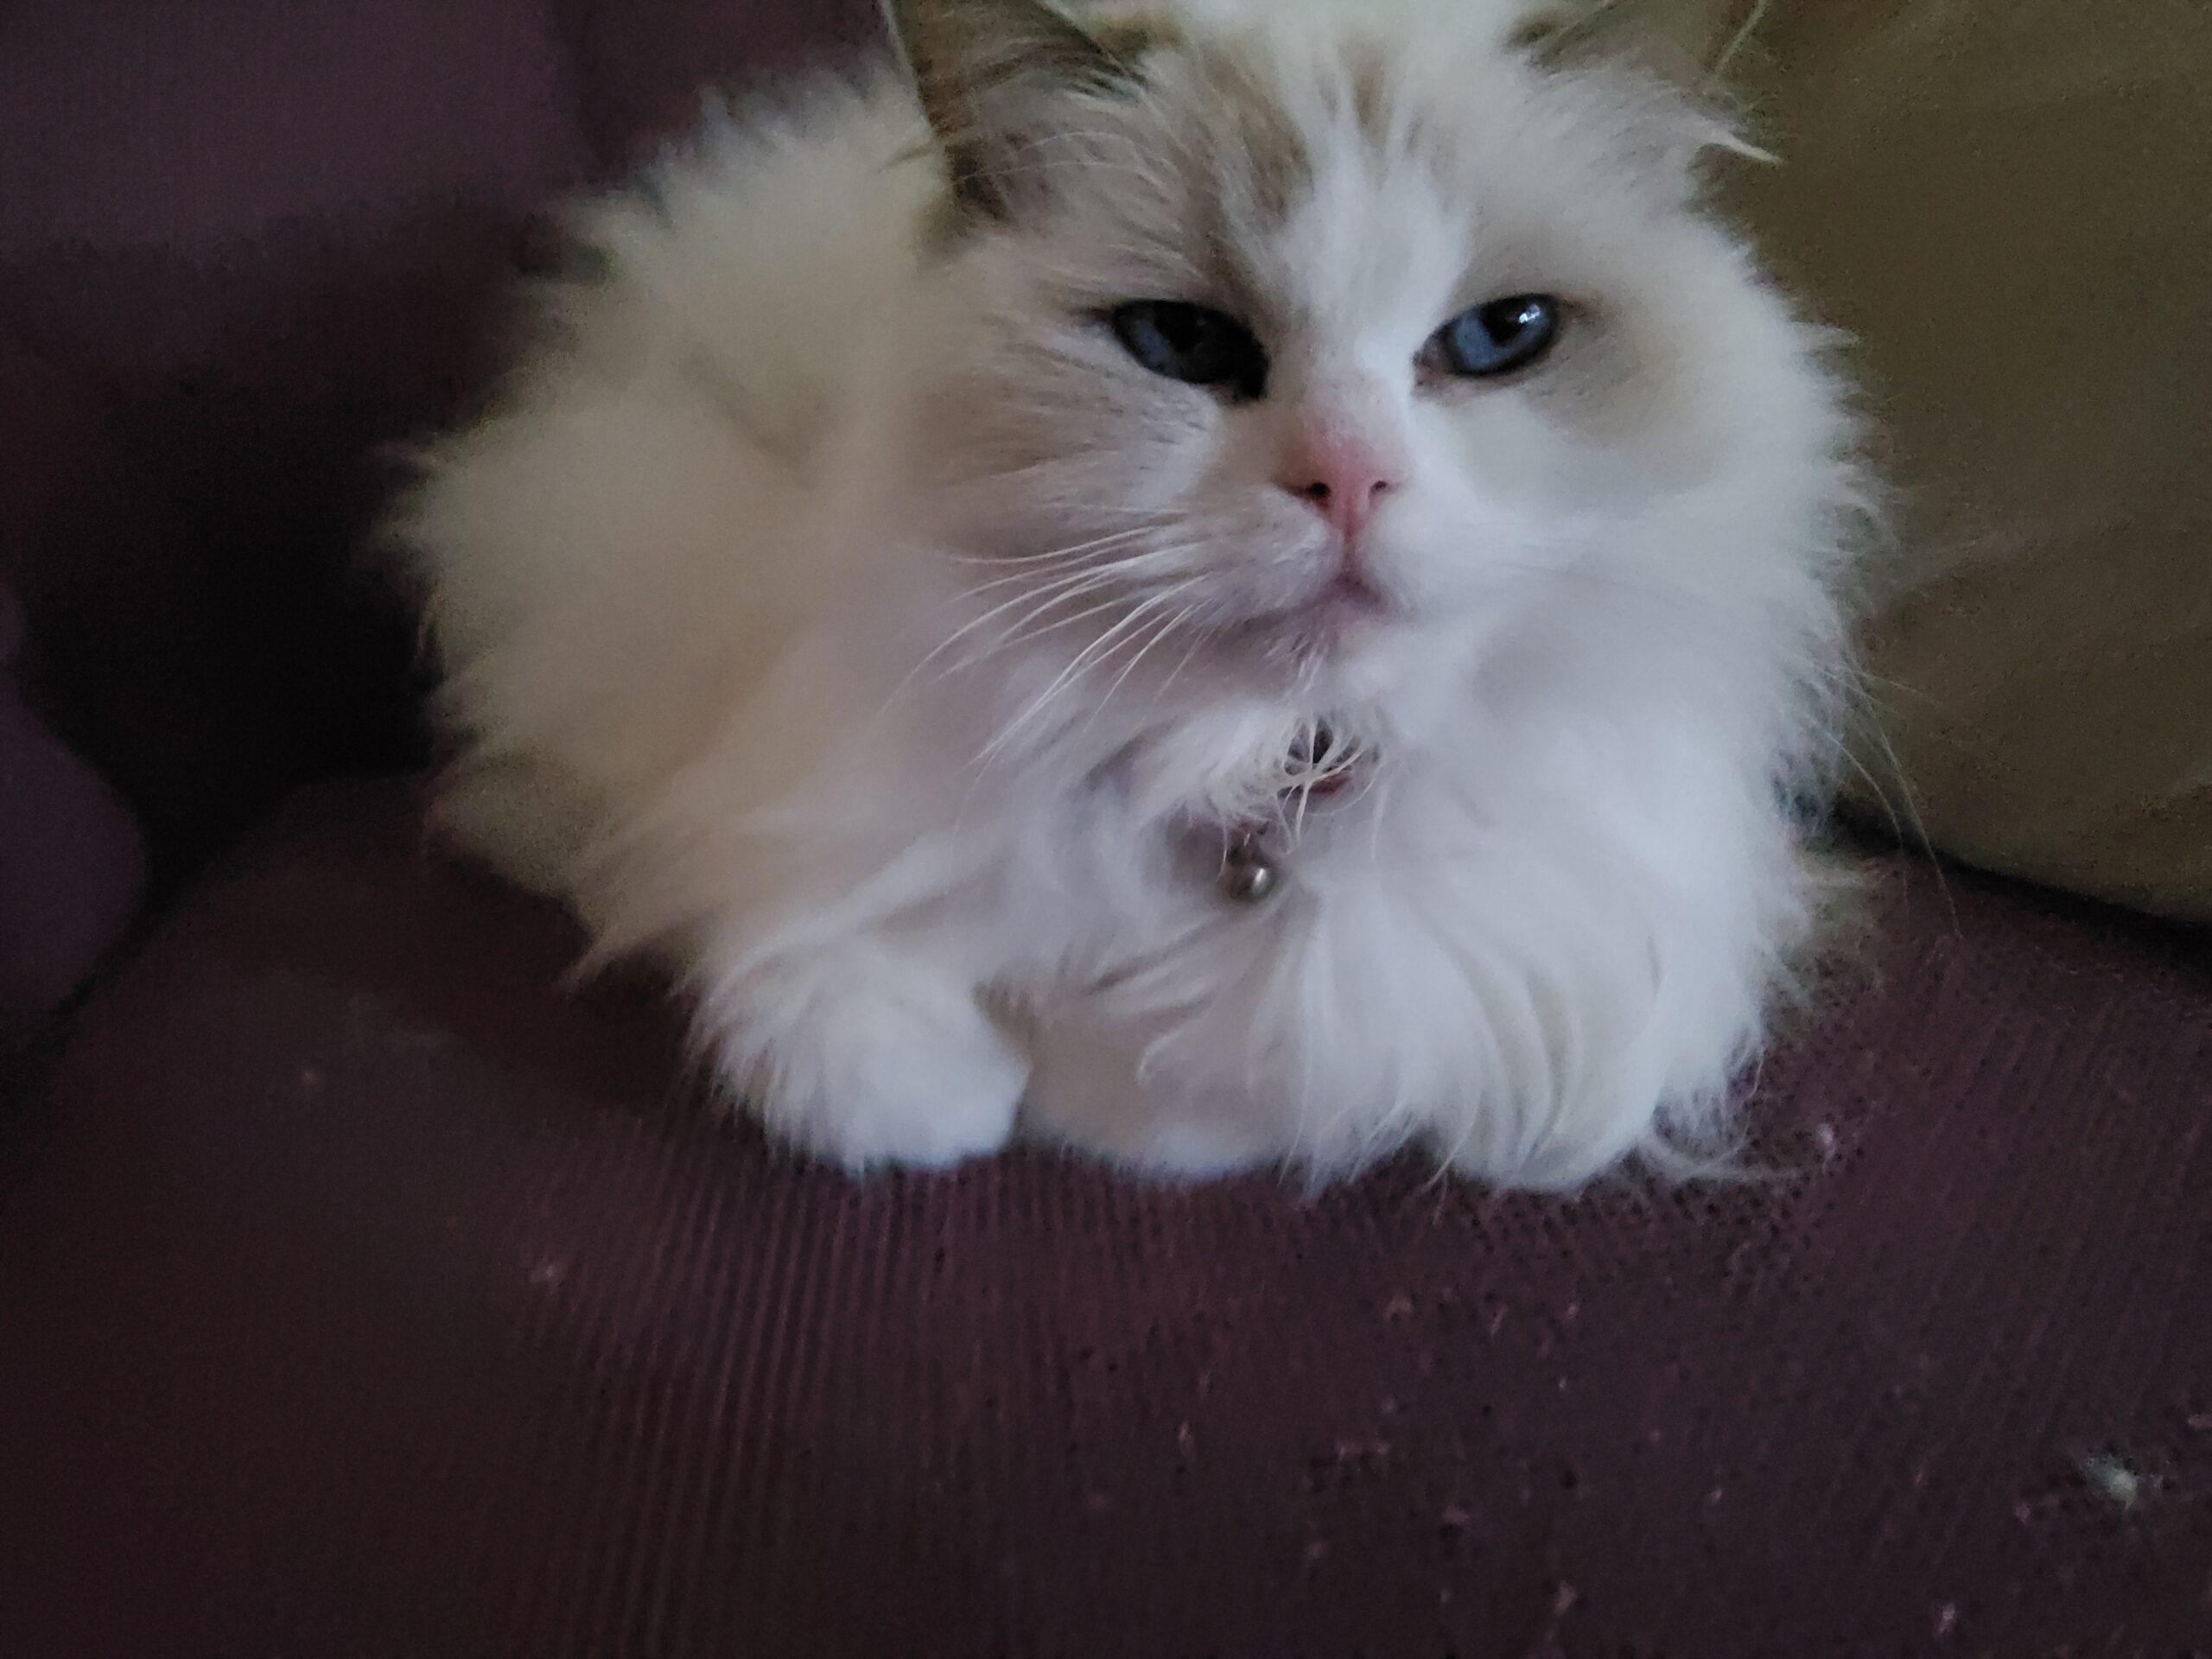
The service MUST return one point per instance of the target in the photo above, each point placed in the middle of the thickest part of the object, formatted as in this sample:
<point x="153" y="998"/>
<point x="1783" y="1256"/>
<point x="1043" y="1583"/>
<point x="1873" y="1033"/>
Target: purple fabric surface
<point x="72" y="865"/>
<point x="244" y="245"/>
<point x="374" y="1297"/>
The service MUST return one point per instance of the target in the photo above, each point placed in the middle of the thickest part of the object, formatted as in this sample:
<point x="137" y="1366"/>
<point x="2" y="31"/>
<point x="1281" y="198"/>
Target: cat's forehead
<point x="1487" y="19"/>
<point x="1315" y="177"/>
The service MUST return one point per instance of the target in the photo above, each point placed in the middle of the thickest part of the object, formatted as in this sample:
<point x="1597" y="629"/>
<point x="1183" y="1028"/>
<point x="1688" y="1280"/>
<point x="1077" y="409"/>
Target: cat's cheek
<point x="1427" y="566"/>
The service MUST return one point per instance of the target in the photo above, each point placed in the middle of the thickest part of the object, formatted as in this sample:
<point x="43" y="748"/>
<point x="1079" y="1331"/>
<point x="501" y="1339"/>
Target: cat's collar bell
<point x="1248" y="874"/>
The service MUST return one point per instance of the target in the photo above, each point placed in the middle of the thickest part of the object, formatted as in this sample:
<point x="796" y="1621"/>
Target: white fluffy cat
<point x="1256" y="584"/>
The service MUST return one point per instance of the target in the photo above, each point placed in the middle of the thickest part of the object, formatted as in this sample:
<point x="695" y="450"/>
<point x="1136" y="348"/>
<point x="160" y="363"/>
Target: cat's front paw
<point x="880" y="1063"/>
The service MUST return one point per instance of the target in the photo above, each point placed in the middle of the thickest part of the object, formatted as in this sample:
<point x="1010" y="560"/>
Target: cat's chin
<point x="1345" y="617"/>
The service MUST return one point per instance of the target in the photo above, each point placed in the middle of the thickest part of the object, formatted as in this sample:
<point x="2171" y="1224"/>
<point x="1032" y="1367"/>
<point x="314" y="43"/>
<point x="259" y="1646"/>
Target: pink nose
<point x="1344" y="479"/>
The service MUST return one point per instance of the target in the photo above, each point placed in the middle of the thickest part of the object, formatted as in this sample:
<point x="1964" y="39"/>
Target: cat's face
<point x="1313" y="351"/>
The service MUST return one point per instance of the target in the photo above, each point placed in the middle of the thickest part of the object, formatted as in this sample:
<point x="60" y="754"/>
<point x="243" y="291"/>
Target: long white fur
<point x="833" y="613"/>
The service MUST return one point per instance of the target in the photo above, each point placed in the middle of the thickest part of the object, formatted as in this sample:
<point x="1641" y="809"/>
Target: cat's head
<point x="1308" y="345"/>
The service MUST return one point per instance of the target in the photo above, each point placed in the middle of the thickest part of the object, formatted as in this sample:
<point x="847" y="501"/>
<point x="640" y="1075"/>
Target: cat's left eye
<point x="1498" y="337"/>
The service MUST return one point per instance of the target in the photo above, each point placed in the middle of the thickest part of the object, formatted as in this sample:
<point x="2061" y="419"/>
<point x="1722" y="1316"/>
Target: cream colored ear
<point x="988" y="72"/>
<point x="1685" y="45"/>
<point x="1691" y="42"/>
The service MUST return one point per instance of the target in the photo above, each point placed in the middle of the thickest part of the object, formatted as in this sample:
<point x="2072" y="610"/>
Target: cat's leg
<point x="868" y="1053"/>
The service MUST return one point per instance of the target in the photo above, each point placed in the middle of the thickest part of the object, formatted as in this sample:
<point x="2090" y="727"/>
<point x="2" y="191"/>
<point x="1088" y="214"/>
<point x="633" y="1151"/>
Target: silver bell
<point x="1247" y="875"/>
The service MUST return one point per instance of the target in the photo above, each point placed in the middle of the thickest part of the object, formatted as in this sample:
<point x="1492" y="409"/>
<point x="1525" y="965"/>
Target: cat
<point x="1247" y="583"/>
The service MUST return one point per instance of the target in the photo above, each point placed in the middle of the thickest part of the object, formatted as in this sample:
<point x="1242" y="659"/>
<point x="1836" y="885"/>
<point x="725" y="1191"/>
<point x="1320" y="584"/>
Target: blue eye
<point x="1193" y="343"/>
<point x="1500" y="337"/>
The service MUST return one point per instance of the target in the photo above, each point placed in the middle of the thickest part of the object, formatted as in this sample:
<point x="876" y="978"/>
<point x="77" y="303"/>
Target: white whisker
<point x="1053" y="593"/>
<point x="1175" y="673"/>
<point x="1007" y="641"/>
<point x="1067" y="677"/>
<point x="1166" y="628"/>
<point x="1056" y="554"/>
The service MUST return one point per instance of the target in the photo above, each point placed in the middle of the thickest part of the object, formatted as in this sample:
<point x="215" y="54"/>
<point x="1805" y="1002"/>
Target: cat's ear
<point x="1692" y="39"/>
<point x="1684" y="47"/>
<point x="990" y="74"/>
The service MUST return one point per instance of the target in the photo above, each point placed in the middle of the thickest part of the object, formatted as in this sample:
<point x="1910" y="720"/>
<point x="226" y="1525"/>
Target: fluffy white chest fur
<point x="954" y="510"/>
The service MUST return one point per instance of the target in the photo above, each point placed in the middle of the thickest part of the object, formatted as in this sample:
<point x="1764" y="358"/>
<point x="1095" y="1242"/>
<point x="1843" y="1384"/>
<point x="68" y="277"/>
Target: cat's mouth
<point x="1320" y="624"/>
<point x="1350" y="594"/>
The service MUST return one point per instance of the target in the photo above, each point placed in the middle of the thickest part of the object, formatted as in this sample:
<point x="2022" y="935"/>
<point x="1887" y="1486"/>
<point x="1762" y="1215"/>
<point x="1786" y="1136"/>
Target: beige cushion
<point x="2011" y="205"/>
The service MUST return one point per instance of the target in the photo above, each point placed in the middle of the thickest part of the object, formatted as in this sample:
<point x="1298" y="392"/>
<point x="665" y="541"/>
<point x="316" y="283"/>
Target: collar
<point x="1321" y="769"/>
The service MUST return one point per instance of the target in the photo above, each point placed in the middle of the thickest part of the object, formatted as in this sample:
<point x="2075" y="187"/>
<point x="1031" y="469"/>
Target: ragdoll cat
<point x="1252" y="582"/>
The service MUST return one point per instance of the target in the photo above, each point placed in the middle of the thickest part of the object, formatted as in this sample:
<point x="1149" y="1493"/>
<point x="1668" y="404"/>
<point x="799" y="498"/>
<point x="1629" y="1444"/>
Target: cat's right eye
<point x="1193" y="343"/>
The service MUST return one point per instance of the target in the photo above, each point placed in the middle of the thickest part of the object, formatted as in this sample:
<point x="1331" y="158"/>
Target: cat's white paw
<point x="880" y="1063"/>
